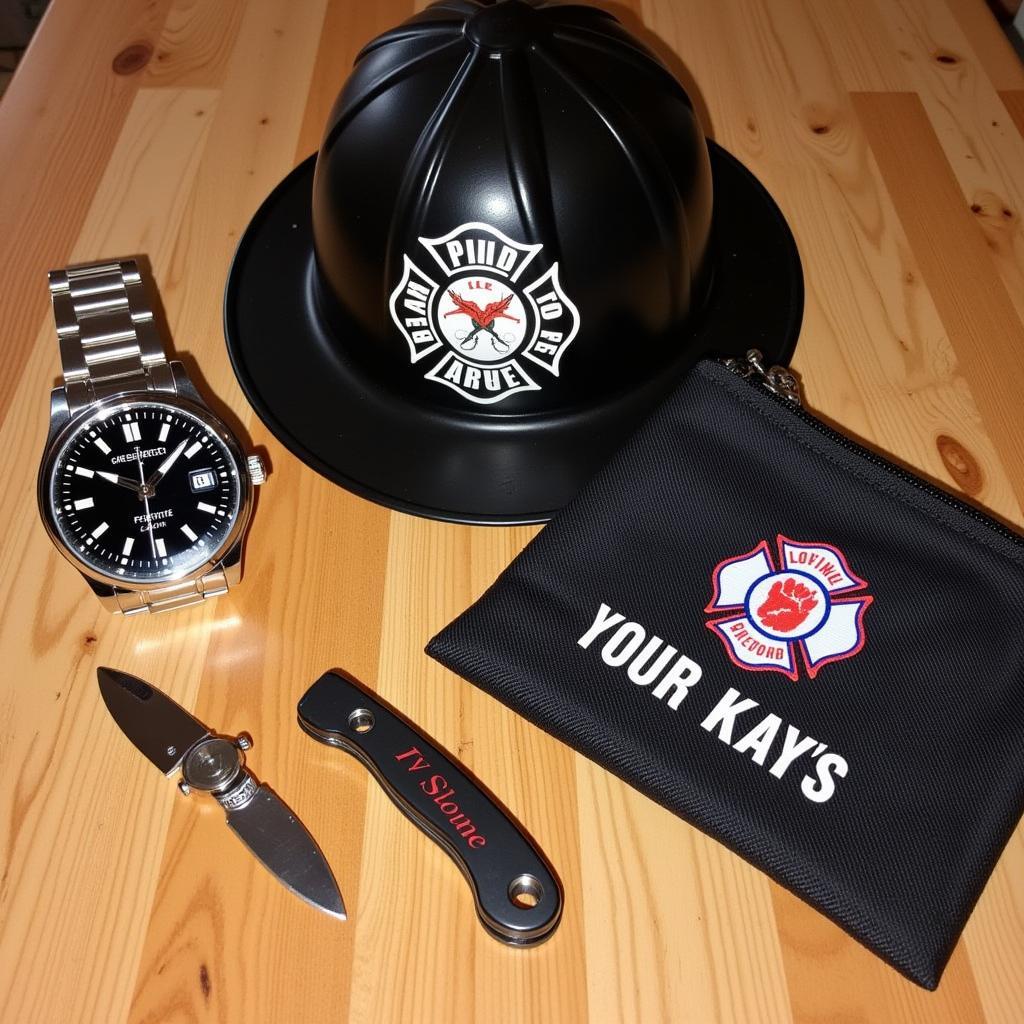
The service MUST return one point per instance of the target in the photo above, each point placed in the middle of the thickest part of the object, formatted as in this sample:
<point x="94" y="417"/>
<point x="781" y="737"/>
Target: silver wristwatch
<point x="141" y="487"/>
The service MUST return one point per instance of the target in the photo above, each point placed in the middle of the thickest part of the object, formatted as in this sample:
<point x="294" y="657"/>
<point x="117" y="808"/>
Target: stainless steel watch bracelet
<point x="109" y="343"/>
<point x="176" y="595"/>
<point x="108" y="339"/>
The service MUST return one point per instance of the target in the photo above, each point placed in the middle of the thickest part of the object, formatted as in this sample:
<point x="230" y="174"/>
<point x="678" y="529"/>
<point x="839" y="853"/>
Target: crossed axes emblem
<point x="482" y="319"/>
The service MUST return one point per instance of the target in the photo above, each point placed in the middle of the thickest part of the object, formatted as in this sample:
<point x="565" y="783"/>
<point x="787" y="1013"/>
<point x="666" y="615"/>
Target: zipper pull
<point x="778" y="380"/>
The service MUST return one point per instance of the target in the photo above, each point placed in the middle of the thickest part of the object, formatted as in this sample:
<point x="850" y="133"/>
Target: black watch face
<point x="144" y="492"/>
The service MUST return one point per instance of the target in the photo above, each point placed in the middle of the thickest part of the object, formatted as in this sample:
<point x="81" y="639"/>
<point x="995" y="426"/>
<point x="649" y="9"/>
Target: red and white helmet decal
<point x="487" y="316"/>
<point x="792" y="612"/>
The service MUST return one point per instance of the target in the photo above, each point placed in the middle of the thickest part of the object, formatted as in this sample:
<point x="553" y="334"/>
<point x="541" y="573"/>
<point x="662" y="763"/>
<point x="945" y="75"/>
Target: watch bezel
<point x="108" y="406"/>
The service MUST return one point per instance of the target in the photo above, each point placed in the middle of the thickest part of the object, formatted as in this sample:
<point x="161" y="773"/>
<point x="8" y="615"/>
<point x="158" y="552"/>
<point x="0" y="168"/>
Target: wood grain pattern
<point x="59" y="121"/>
<point x="1013" y="100"/>
<point x="981" y="147"/>
<point x="891" y="132"/>
<point x="195" y="44"/>
<point x="973" y="302"/>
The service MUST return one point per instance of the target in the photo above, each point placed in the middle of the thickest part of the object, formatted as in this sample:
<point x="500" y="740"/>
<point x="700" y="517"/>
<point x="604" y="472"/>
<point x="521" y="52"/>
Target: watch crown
<point x="244" y="741"/>
<point x="257" y="471"/>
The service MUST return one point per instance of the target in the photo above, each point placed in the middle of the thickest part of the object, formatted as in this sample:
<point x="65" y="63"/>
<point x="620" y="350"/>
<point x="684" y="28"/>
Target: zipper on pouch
<point x="782" y="386"/>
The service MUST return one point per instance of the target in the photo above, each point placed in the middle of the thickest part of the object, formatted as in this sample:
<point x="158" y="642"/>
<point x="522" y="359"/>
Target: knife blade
<point x="171" y="738"/>
<point x="518" y="898"/>
<point x="159" y="728"/>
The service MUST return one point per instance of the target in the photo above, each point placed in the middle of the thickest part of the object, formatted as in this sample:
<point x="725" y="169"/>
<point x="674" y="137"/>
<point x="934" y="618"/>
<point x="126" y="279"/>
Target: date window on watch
<point x="202" y="480"/>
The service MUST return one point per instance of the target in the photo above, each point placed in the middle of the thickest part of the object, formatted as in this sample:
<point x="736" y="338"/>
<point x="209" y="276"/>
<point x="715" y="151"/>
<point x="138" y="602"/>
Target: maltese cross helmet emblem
<point x="485" y="314"/>
<point x="792" y="615"/>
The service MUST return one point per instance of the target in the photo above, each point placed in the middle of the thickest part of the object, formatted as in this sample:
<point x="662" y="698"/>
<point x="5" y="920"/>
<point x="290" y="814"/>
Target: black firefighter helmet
<point x="513" y="241"/>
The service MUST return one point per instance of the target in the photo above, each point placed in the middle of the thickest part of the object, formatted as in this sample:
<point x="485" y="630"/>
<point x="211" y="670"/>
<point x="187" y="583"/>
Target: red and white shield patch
<point x="790" y="611"/>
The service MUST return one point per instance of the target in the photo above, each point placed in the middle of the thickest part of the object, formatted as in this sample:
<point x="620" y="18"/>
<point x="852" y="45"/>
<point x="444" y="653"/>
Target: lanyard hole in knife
<point x="525" y="892"/>
<point x="360" y="720"/>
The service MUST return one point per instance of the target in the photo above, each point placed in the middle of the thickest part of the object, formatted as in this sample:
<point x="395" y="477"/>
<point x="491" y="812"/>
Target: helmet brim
<point x="473" y="468"/>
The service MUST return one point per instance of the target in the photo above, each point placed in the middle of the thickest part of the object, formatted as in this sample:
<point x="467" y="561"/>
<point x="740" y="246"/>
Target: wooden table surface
<point x="889" y="131"/>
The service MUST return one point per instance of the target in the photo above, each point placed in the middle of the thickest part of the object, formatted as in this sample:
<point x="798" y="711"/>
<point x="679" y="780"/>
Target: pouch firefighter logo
<point x="485" y="315"/>
<point x="813" y="603"/>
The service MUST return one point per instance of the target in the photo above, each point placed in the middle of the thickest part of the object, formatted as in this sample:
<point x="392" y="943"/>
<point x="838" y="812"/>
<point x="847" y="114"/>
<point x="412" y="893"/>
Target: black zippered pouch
<point x="808" y="653"/>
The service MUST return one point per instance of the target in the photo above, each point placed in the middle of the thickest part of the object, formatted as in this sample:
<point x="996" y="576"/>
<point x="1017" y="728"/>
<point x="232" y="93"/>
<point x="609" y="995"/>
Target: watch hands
<point x="144" y="493"/>
<point x="121" y="481"/>
<point x="162" y="469"/>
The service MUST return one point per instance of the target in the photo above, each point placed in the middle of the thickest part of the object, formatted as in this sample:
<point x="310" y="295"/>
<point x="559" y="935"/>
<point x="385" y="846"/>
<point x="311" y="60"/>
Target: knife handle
<point x="518" y="899"/>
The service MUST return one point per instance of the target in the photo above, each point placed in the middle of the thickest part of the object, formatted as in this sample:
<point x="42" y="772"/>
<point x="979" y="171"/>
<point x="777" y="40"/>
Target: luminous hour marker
<point x="102" y="445"/>
<point x="128" y="545"/>
<point x="84" y="503"/>
<point x="82" y="471"/>
<point x="161" y="548"/>
<point x="203" y="507"/>
<point x="192" y="449"/>
<point x="100" y="530"/>
<point x="131" y="431"/>
<point x="189" y="532"/>
<point x="164" y="431"/>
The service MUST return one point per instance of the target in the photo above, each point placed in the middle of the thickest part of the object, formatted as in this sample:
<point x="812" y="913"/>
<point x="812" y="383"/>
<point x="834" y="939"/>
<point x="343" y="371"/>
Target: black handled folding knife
<point x="171" y="738"/>
<point x="518" y="898"/>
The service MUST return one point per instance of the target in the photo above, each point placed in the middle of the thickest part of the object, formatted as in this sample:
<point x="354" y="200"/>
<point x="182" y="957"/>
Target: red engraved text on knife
<point x="436" y="786"/>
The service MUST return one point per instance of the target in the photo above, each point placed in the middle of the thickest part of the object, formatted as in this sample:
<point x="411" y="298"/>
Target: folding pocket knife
<point x="172" y="739"/>
<point x="518" y="897"/>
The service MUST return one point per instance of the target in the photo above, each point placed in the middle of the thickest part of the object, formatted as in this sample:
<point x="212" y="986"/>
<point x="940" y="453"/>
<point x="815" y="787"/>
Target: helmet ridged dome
<point x="476" y="147"/>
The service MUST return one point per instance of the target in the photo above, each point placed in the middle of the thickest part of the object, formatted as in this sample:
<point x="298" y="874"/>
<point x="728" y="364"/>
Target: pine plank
<point x="858" y="981"/>
<point x="195" y="45"/>
<point x="861" y="49"/>
<point x="79" y="876"/>
<point x="1003" y="68"/>
<point x="994" y="937"/>
<point x="535" y="776"/>
<point x="1013" y="100"/>
<point x="876" y="150"/>
<point x="956" y="264"/>
<point x="60" y="119"/>
<point x="679" y="930"/>
<point x="982" y="148"/>
<point x="346" y="29"/>
<point x="212" y="890"/>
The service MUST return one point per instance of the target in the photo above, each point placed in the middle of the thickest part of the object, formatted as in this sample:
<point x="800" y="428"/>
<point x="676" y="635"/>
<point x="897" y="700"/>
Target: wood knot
<point x="943" y="57"/>
<point x="132" y="58"/>
<point x="204" y="981"/>
<point x="820" y="129"/>
<point x="960" y="464"/>
<point x="976" y="208"/>
<point x="90" y="639"/>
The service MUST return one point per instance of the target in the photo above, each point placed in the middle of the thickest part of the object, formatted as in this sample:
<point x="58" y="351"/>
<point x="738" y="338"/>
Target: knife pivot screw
<point x="360" y="720"/>
<point x="172" y="751"/>
<point x="184" y="787"/>
<point x="525" y="892"/>
<point x="212" y="765"/>
<point x="244" y="741"/>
